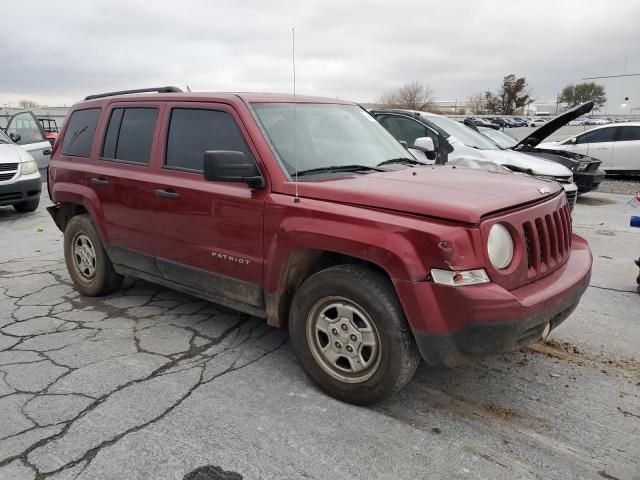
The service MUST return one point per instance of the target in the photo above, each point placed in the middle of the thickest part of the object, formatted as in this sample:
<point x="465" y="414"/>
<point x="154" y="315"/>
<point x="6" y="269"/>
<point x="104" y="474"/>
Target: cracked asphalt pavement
<point x="149" y="383"/>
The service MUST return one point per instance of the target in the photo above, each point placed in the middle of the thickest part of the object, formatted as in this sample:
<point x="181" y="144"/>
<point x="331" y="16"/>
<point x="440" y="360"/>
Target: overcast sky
<point x="57" y="52"/>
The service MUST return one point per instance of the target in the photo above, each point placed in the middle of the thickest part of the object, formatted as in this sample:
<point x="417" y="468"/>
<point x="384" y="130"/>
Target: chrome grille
<point x="548" y="241"/>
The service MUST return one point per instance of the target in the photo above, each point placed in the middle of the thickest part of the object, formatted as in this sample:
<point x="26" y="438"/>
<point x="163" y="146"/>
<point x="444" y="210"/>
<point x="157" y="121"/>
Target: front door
<point x="597" y="143"/>
<point x="208" y="235"/>
<point x="25" y="130"/>
<point x="407" y="130"/>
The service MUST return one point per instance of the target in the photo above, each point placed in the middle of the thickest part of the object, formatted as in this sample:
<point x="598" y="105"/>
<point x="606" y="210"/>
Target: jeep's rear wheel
<point x="350" y="334"/>
<point x="89" y="266"/>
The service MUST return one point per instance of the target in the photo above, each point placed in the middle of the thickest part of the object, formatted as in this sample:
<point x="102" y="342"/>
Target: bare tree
<point x="477" y="104"/>
<point x="413" y="96"/>
<point x="28" y="104"/>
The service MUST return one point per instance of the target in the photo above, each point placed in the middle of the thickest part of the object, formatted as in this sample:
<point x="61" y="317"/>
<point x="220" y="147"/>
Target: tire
<point x="28" y="206"/>
<point x="370" y="311"/>
<point x="89" y="266"/>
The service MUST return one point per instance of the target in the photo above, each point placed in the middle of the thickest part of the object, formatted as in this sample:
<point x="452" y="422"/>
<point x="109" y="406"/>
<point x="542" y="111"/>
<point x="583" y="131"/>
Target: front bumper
<point x="588" y="180"/>
<point x="25" y="188"/>
<point x="453" y="325"/>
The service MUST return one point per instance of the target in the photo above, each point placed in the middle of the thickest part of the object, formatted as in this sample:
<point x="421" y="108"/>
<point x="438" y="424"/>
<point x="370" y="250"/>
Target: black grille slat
<point x="8" y="167"/>
<point x="7" y="176"/>
<point x="572" y="197"/>
<point x="547" y="240"/>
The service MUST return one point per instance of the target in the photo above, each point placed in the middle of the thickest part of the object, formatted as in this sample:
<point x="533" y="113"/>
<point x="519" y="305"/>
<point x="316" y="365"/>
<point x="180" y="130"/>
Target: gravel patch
<point x="623" y="185"/>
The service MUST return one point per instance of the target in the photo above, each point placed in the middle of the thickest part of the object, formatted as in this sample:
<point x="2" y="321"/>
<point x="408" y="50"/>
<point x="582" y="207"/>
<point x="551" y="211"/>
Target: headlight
<point x="500" y="246"/>
<point x="459" y="278"/>
<point x="29" y="167"/>
<point x="583" y="166"/>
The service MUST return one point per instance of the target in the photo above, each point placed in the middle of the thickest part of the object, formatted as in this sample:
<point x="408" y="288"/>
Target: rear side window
<point x="194" y="131"/>
<point x="630" y="133"/>
<point x="130" y="134"/>
<point x="79" y="134"/>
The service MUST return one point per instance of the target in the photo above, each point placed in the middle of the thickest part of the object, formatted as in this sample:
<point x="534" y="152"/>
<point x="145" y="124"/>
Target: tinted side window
<point x="599" y="136"/>
<point x="407" y="130"/>
<point x="129" y="134"/>
<point x="194" y="131"/>
<point x="79" y="135"/>
<point x="630" y="133"/>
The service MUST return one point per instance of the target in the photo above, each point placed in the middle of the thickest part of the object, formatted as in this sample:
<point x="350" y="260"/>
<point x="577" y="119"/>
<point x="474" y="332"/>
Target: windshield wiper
<point x="403" y="160"/>
<point x="340" y="168"/>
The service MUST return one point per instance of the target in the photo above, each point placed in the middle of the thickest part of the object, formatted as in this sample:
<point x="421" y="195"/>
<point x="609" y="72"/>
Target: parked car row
<point x="597" y="121"/>
<point x="503" y="122"/>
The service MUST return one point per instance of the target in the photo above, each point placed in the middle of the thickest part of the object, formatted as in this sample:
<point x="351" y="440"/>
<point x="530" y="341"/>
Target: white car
<point x="25" y="130"/>
<point x="20" y="180"/>
<point x="617" y="146"/>
<point x="536" y="122"/>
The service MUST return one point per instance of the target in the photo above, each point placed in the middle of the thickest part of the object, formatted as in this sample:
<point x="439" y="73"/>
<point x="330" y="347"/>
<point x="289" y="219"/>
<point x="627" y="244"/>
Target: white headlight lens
<point x="29" y="167"/>
<point x="500" y="246"/>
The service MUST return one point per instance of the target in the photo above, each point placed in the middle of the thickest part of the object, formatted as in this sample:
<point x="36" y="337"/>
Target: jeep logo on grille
<point x="544" y="190"/>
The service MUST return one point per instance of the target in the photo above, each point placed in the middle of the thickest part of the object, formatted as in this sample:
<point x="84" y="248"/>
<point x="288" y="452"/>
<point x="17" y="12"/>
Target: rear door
<point x="32" y="137"/>
<point x="208" y="235"/>
<point x="122" y="180"/>
<point x="626" y="149"/>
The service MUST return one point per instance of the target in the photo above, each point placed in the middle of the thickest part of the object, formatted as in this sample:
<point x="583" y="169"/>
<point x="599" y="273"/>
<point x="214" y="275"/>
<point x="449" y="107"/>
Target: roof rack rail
<point x="137" y="90"/>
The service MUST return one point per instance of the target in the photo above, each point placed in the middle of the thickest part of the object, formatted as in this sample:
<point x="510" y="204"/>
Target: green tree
<point x="512" y="96"/>
<point x="584" y="92"/>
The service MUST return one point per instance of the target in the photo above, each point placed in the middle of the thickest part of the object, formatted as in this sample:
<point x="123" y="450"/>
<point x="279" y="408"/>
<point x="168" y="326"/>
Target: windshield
<point x="503" y="140"/>
<point x="4" y="138"/>
<point x="466" y="135"/>
<point x="327" y="135"/>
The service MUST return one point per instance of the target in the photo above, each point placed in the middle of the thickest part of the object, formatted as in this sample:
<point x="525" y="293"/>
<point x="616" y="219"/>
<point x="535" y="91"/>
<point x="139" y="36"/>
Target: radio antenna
<point x="295" y="140"/>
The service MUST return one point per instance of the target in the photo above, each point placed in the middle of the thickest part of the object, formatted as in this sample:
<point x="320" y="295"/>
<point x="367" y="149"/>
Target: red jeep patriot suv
<point x="308" y="213"/>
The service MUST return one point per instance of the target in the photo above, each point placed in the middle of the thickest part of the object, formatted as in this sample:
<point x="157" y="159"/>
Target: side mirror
<point x="425" y="144"/>
<point x="231" y="166"/>
<point x="573" y="141"/>
<point x="15" y="137"/>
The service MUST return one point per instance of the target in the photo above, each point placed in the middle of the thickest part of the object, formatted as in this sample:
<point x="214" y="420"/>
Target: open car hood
<point x="546" y="129"/>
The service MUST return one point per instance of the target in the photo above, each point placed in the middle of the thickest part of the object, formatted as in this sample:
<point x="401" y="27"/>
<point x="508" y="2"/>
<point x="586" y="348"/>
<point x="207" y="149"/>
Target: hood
<point x="11" y="153"/>
<point x="439" y="191"/>
<point x="547" y="128"/>
<point x="518" y="161"/>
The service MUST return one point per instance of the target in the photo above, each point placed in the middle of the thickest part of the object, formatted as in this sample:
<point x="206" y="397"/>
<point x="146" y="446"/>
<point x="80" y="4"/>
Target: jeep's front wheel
<point x="350" y="334"/>
<point x="89" y="266"/>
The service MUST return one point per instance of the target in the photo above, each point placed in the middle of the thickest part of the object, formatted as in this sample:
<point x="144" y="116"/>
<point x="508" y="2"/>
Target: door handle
<point x="167" y="194"/>
<point x="46" y="152"/>
<point x="99" y="181"/>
